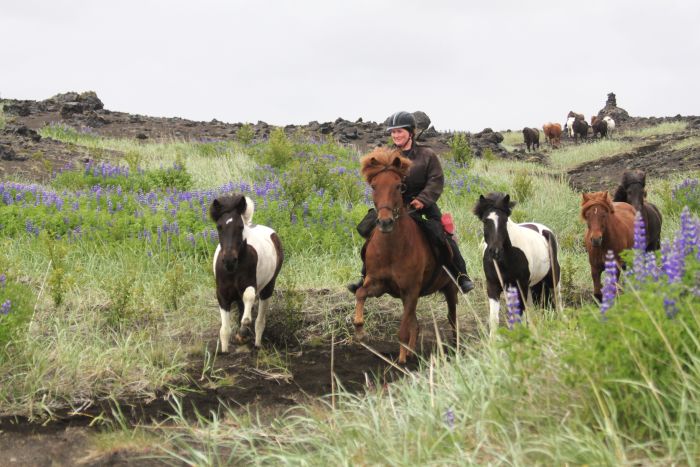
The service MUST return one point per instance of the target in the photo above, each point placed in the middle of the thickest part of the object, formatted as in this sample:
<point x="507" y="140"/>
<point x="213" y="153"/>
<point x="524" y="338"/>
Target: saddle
<point x="434" y="231"/>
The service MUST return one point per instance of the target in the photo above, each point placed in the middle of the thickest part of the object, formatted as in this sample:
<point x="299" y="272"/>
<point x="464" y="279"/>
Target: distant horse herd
<point x="401" y="262"/>
<point x="576" y="127"/>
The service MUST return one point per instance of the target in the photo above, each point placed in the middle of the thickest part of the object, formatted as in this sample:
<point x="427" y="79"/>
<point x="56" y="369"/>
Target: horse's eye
<point x="373" y="187"/>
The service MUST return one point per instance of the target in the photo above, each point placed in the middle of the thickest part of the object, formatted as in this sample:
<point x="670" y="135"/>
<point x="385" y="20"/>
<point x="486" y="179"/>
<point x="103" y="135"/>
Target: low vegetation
<point x="107" y="266"/>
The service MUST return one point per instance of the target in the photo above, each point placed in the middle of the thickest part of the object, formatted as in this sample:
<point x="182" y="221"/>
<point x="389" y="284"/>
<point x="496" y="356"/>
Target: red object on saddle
<point x="448" y="223"/>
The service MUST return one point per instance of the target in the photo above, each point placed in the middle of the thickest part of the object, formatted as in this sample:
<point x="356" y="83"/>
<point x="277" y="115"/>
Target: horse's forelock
<point x="599" y="198"/>
<point x="382" y="159"/>
<point x="633" y="176"/>
<point x="500" y="201"/>
<point x="224" y="204"/>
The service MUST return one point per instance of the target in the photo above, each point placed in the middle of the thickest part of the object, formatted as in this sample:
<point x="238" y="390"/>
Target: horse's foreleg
<point x="225" y="331"/>
<point x="595" y="274"/>
<point x="408" y="331"/>
<point x="260" y="321"/>
<point x="493" y="290"/>
<point x="450" y="294"/>
<point x="248" y="300"/>
<point x="359" y="319"/>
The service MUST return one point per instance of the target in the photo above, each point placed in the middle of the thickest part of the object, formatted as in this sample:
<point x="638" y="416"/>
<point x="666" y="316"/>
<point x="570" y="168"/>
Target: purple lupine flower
<point x="670" y="307"/>
<point x="640" y="240"/>
<point x="672" y="260"/>
<point x="5" y="309"/>
<point x="513" y="305"/>
<point x="609" y="282"/>
<point x="190" y="238"/>
<point x="650" y="267"/>
<point x="688" y="232"/>
<point x="450" y="418"/>
<point x="3" y="280"/>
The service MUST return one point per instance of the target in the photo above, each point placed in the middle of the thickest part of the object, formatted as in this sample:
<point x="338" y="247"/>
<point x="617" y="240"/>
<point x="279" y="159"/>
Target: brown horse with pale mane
<point x="398" y="257"/>
<point x="610" y="227"/>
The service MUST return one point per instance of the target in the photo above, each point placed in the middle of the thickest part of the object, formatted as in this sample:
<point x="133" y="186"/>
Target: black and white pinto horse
<point x="246" y="264"/>
<point x="520" y="255"/>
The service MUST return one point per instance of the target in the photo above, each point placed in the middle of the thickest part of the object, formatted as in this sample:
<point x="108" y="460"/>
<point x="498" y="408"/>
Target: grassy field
<point x="114" y="291"/>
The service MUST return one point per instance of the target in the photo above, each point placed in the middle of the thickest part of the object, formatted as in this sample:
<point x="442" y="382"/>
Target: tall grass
<point x="130" y="314"/>
<point x="573" y="155"/>
<point x="665" y="128"/>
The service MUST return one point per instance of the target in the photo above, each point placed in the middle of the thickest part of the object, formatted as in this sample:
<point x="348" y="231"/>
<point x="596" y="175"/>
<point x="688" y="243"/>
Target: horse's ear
<point x="508" y="203"/>
<point x="609" y="201"/>
<point x="481" y="198"/>
<point x="215" y="210"/>
<point x="586" y="197"/>
<point x="373" y="161"/>
<point x="396" y="162"/>
<point x="241" y="205"/>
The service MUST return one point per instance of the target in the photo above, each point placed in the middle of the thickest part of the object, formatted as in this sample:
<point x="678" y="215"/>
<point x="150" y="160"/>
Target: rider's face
<point x="400" y="136"/>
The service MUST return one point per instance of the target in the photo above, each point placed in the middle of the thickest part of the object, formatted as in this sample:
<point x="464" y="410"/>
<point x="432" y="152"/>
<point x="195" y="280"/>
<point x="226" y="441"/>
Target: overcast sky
<point x="468" y="65"/>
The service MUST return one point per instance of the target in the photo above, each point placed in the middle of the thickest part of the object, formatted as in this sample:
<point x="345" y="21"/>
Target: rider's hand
<point x="416" y="203"/>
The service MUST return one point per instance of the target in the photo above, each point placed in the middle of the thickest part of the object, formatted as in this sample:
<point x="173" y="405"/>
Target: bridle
<point x="395" y="211"/>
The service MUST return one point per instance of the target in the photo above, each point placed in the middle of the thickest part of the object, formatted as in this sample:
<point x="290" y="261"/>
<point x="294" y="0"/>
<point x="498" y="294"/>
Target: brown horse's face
<point x="387" y="189"/>
<point x="597" y="220"/>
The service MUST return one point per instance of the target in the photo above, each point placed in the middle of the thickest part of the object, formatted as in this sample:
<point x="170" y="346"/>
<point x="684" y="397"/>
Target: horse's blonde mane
<point x="382" y="159"/>
<point x="596" y="198"/>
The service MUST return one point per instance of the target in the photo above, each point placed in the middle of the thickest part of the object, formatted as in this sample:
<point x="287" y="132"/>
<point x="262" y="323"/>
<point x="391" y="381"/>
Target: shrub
<point x="279" y="150"/>
<point x="460" y="149"/>
<point x="522" y="186"/>
<point x="686" y="193"/>
<point x="245" y="134"/>
<point x="16" y="305"/>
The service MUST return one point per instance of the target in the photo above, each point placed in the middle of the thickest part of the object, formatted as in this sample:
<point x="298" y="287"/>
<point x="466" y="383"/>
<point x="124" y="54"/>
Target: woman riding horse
<point x="424" y="184"/>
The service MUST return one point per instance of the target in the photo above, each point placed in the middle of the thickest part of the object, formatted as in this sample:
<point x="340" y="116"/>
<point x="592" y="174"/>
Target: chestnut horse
<point x="632" y="190"/>
<point x="610" y="227"/>
<point x="398" y="257"/>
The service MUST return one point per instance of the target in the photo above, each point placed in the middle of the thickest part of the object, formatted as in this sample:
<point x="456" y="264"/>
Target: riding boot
<point x="459" y="268"/>
<point x="353" y="286"/>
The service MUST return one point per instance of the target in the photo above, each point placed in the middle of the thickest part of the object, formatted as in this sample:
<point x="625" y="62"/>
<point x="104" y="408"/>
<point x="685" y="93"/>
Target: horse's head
<point x="226" y="212"/>
<point x="633" y="182"/>
<point x="494" y="210"/>
<point x="596" y="208"/>
<point x="384" y="170"/>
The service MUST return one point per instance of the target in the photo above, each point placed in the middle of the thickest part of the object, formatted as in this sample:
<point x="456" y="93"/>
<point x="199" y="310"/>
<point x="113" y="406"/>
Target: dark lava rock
<point x="24" y="131"/>
<point x="18" y="108"/>
<point x="6" y="153"/>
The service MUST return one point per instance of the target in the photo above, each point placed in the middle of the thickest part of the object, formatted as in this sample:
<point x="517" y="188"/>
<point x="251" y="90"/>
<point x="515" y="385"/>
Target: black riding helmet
<point x="401" y="119"/>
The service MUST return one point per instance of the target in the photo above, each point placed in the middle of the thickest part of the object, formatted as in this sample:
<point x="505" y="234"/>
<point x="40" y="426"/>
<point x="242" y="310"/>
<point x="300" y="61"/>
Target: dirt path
<point x="241" y="380"/>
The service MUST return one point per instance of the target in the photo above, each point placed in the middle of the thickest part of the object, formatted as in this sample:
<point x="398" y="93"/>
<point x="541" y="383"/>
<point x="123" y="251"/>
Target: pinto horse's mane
<point x="596" y="198"/>
<point x="383" y="159"/>
<point x="495" y="200"/>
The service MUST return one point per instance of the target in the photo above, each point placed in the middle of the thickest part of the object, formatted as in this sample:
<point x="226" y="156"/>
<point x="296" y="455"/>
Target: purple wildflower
<point x="672" y="260"/>
<point x="3" y="280"/>
<point x="513" y="304"/>
<point x="670" y="307"/>
<point x="450" y="418"/>
<point x="5" y="309"/>
<point x="640" y="240"/>
<point x="609" y="283"/>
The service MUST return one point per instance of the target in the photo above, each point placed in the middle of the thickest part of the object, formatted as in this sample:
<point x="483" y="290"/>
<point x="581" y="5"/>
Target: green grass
<point x="512" y="140"/>
<point x="573" y="155"/>
<point x="131" y="317"/>
<point x="692" y="142"/>
<point x="661" y="129"/>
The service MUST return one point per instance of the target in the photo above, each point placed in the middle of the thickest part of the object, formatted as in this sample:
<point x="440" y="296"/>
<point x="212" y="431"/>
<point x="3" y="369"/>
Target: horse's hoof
<point x="360" y="335"/>
<point x="245" y="332"/>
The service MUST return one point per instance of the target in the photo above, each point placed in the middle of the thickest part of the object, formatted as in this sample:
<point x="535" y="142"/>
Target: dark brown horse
<point x="632" y="190"/>
<point x="610" y="227"/>
<point x="399" y="259"/>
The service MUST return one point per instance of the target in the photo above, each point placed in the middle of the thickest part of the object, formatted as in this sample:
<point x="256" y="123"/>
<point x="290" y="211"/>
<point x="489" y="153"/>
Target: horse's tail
<point x="249" y="209"/>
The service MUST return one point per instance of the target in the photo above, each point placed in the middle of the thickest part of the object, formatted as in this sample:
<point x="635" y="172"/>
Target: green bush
<point x="245" y="134"/>
<point x="522" y="186"/>
<point x="16" y="307"/>
<point x="279" y="150"/>
<point x="686" y="193"/>
<point x="460" y="149"/>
